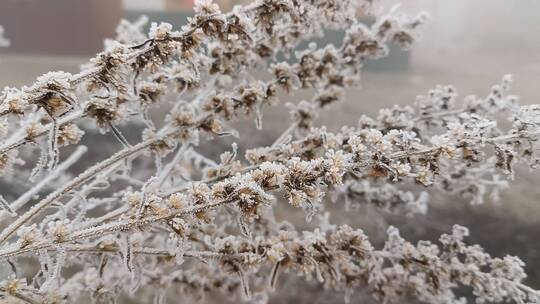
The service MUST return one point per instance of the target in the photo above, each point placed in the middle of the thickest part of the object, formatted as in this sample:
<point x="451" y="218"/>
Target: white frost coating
<point x="61" y="169"/>
<point x="148" y="220"/>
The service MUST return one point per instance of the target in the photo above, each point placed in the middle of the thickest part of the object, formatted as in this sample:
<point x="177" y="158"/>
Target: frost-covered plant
<point x="186" y="224"/>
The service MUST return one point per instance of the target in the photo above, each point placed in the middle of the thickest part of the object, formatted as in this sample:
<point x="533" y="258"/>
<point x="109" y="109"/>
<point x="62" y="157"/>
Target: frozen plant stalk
<point x="158" y="217"/>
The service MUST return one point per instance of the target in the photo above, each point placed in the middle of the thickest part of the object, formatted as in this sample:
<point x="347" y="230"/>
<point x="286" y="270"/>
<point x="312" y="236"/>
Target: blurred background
<point x="470" y="44"/>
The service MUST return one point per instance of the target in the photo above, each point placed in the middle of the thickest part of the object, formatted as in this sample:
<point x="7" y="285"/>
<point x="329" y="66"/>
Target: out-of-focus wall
<point x="471" y="44"/>
<point x="66" y="27"/>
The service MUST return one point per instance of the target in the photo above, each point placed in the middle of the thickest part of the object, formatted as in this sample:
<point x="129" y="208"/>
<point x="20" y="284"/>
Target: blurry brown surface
<point x="179" y="5"/>
<point x="63" y="27"/>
